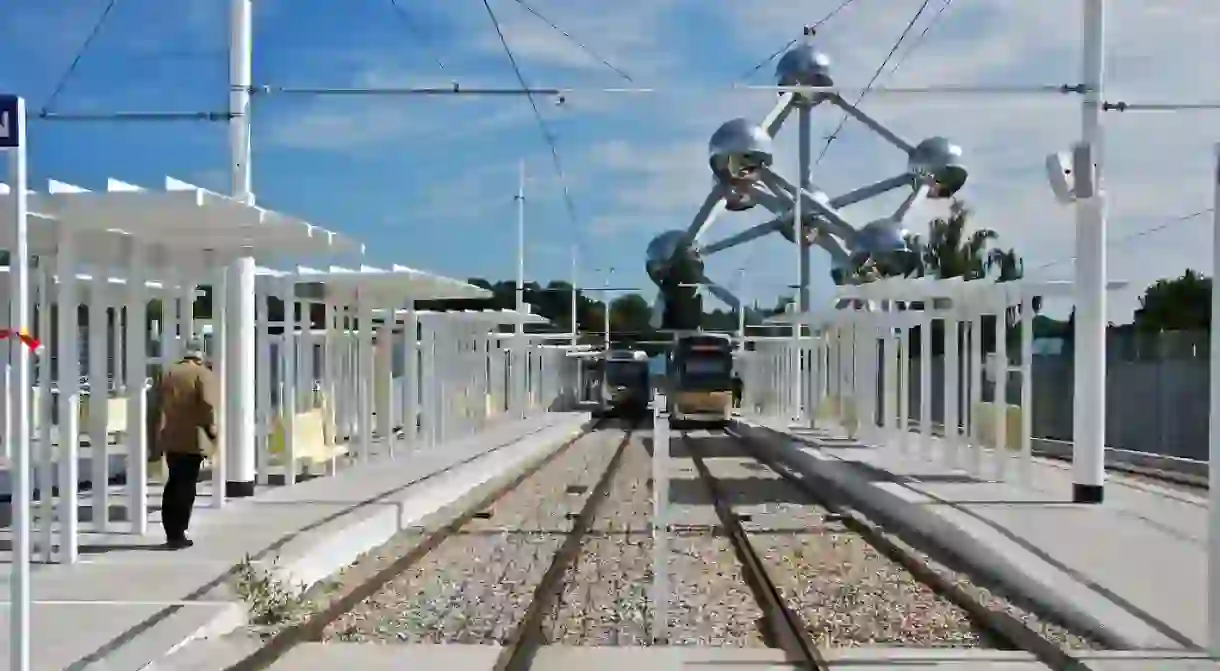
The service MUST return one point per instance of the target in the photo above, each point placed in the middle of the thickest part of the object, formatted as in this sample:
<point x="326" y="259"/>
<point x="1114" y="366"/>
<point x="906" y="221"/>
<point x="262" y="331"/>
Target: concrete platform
<point x="1138" y="562"/>
<point x="128" y="603"/>
<point x="382" y="657"/>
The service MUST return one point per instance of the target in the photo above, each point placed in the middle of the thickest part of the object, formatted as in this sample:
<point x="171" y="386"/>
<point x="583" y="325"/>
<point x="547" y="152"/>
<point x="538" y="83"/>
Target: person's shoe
<point x="179" y="543"/>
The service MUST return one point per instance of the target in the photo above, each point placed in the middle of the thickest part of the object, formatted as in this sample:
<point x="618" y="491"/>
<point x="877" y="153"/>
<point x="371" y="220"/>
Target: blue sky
<point x="430" y="182"/>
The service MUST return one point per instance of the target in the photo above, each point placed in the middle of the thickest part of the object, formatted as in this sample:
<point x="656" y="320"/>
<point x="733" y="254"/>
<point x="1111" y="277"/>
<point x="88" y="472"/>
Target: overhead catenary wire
<point x="458" y="90"/>
<point x="775" y="54"/>
<point x="80" y="55"/>
<point x="876" y="75"/>
<point x="590" y="52"/>
<point x="1135" y="235"/>
<point x="921" y="38"/>
<point x="410" y="26"/>
<point x="547" y="136"/>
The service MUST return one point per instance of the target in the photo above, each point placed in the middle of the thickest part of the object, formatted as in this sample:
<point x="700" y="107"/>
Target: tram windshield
<point x="626" y="373"/>
<point x="707" y="366"/>
<point x="703" y="363"/>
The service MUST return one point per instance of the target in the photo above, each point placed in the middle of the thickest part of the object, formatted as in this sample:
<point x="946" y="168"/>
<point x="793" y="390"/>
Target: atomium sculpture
<point x="741" y="157"/>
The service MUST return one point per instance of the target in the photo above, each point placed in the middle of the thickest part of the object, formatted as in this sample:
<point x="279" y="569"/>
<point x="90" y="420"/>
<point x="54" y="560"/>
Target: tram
<point x="626" y="383"/>
<point x="700" y="379"/>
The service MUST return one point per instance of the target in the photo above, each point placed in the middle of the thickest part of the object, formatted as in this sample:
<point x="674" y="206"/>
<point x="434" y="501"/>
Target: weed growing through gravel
<point x="271" y="602"/>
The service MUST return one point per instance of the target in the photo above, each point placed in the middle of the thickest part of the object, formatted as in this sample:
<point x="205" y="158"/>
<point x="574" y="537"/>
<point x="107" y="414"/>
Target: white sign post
<point x="660" y="521"/>
<point x="12" y="140"/>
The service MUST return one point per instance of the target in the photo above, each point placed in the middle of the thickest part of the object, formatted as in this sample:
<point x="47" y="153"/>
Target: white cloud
<point x="1157" y="165"/>
<point x="636" y="163"/>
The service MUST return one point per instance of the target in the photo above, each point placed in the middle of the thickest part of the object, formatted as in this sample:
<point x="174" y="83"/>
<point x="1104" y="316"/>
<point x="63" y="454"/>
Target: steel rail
<point x="783" y="628"/>
<point x="1002" y="626"/>
<point x="527" y="637"/>
<point x="314" y="626"/>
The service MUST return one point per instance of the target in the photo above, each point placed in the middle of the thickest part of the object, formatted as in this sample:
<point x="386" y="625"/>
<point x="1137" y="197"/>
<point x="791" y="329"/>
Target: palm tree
<point x="952" y="252"/>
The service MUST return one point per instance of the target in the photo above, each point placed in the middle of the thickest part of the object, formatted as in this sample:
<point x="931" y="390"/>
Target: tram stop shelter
<point x="179" y="235"/>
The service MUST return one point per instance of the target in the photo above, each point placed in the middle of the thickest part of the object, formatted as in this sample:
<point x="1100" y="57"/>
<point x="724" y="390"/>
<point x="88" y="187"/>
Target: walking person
<point x="738" y="389"/>
<point x="186" y="433"/>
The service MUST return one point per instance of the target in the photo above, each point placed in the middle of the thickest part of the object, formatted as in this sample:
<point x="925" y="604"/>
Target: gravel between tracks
<point x="477" y="585"/>
<point x="847" y="592"/>
<point x="605" y="596"/>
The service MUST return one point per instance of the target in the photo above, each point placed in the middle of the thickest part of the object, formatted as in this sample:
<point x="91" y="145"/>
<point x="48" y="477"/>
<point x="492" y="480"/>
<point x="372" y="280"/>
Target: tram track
<point x="783" y="626"/>
<point x="422" y="551"/>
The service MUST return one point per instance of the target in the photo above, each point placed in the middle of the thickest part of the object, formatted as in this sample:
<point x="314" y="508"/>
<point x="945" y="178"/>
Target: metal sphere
<point x="881" y="241"/>
<point x="738" y="149"/>
<point x="939" y="160"/>
<point x="802" y="65"/>
<point x="666" y="259"/>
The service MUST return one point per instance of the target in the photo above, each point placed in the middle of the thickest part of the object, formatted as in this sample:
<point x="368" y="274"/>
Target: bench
<point x="985" y="421"/>
<point x="313" y="442"/>
<point x="116" y="414"/>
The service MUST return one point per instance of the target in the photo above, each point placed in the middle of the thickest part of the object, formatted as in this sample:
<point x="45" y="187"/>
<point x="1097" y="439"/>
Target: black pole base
<point x="1087" y="493"/>
<point x="239" y="490"/>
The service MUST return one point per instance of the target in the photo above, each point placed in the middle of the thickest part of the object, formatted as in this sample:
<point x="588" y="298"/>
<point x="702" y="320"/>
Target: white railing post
<point x="1025" y="464"/>
<point x="1000" y="389"/>
<point x="952" y="384"/>
<point x="925" y="378"/>
<point x="660" y="521"/>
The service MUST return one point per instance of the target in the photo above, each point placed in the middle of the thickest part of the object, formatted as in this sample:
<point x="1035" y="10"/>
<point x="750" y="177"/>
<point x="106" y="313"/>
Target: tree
<point x="1181" y="303"/>
<point x="951" y="251"/>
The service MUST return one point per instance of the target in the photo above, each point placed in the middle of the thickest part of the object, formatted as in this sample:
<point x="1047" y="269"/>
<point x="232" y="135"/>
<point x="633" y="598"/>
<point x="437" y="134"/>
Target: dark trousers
<point x="179" y="496"/>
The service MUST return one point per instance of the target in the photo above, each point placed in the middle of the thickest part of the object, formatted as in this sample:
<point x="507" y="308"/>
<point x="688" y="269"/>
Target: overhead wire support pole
<point x="1089" y="393"/>
<point x="519" y="375"/>
<point x="240" y="424"/>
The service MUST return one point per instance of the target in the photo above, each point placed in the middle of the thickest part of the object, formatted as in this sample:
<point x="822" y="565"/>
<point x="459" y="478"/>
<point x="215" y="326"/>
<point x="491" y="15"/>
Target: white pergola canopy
<point x="179" y="224"/>
<point x="85" y="286"/>
<point x="387" y="287"/>
<point x="497" y="317"/>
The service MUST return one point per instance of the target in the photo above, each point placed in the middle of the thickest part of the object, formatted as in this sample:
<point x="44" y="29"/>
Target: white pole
<point x="12" y="137"/>
<point x="220" y="364"/>
<point x="239" y="370"/>
<point x="606" y="307"/>
<point x="925" y="378"/>
<point x="579" y="381"/>
<point x="267" y="420"/>
<point x="660" y="522"/>
<point x="1000" y="393"/>
<point x="1213" y="517"/>
<point x="954" y="390"/>
<point x="805" y="130"/>
<point x="1089" y="415"/>
<point x="137" y="394"/>
<point x="99" y="398"/>
<point x="1027" y="388"/>
<point x="741" y="312"/>
<point x="574" y="305"/>
<point x="904" y="385"/>
<point x="44" y="280"/>
<point x="69" y="399"/>
<point x="518" y="367"/>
